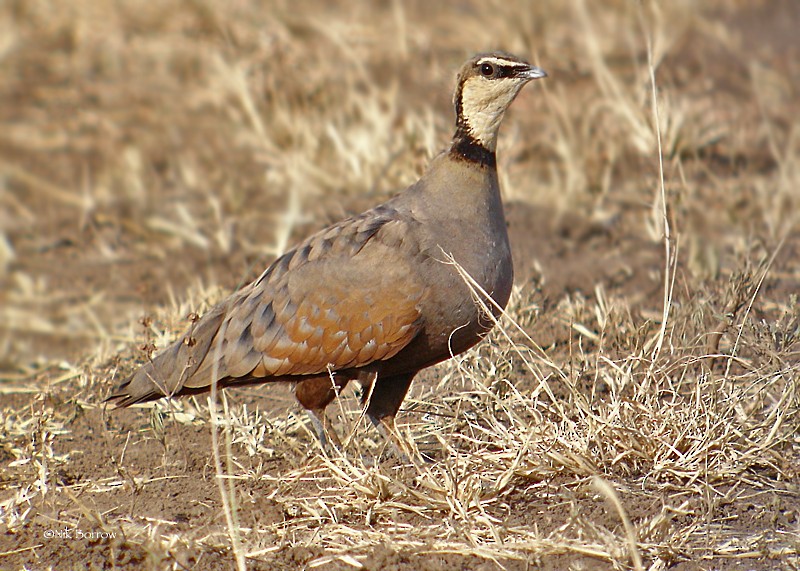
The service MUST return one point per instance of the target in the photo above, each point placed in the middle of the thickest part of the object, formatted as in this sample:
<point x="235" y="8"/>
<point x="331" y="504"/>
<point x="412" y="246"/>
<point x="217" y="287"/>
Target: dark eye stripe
<point x="504" y="68"/>
<point x="505" y="71"/>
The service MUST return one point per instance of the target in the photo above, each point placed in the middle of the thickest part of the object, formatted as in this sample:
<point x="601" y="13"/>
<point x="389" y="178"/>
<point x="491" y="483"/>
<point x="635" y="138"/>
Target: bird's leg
<point x="315" y="394"/>
<point x="382" y="403"/>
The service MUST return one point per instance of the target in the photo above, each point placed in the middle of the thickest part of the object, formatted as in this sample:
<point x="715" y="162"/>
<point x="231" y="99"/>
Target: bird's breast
<point x="453" y="314"/>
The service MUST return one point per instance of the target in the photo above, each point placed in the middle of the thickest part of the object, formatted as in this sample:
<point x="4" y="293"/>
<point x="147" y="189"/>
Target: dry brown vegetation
<point x="638" y="407"/>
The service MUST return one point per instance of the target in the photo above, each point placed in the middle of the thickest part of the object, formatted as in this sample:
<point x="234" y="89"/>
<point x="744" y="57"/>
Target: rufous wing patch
<point x="324" y="307"/>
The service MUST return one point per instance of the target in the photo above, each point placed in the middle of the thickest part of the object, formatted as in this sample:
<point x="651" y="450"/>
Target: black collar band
<point x="467" y="148"/>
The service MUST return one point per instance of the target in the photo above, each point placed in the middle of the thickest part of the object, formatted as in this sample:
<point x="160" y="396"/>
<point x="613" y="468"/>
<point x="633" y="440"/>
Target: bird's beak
<point x="530" y="72"/>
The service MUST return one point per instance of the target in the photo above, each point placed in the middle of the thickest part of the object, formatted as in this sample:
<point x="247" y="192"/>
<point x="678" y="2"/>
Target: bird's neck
<point x="466" y="147"/>
<point x="461" y="183"/>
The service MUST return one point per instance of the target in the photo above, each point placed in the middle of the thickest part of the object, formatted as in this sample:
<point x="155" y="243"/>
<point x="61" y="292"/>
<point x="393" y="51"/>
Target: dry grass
<point x="637" y="407"/>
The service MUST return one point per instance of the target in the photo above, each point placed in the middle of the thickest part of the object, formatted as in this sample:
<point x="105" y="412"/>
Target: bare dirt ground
<point x="155" y="156"/>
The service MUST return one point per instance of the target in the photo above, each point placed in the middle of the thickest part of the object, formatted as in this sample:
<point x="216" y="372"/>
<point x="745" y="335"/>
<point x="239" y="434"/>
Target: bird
<point x="376" y="297"/>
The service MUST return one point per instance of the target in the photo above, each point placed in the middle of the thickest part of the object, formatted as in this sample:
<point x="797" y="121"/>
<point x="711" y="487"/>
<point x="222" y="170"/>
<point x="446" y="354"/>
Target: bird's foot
<point x="398" y="447"/>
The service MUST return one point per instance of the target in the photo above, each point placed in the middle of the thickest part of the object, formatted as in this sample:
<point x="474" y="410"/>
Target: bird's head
<point x="487" y="84"/>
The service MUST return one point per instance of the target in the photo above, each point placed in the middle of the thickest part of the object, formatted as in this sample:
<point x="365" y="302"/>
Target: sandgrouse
<point x="374" y="298"/>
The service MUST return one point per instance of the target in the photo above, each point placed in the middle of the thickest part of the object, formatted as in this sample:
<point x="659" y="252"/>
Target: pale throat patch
<point x="483" y="103"/>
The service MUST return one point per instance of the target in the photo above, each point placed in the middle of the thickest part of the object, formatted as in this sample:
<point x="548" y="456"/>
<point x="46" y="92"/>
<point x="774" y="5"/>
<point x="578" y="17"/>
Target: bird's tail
<point x="168" y="372"/>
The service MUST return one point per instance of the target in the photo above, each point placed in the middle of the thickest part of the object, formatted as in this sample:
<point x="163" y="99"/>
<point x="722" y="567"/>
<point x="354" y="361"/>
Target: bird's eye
<point x="487" y="69"/>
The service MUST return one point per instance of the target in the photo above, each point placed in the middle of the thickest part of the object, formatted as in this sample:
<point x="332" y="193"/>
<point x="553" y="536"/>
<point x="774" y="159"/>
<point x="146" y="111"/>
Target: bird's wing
<point x="346" y="297"/>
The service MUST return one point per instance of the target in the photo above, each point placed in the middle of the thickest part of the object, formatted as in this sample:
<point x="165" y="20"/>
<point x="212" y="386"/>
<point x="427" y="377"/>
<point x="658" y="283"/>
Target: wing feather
<point x="344" y="298"/>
